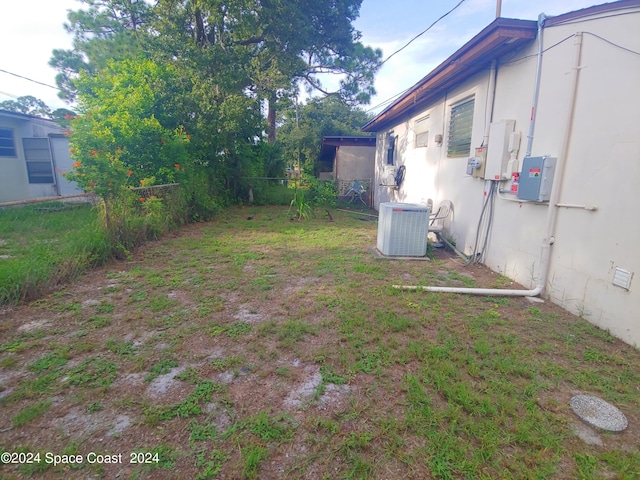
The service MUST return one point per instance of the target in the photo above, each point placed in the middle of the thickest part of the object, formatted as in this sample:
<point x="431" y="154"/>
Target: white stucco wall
<point x="430" y="174"/>
<point x="602" y="164"/>
<point x="602" y="169"/>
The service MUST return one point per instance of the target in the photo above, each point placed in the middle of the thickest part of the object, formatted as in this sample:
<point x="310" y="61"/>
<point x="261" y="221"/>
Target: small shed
<point x="34" y="153"/>
<point x="344" y="157"/>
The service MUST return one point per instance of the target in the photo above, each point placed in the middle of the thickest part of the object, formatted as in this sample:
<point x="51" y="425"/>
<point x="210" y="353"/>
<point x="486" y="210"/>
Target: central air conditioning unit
<point x="403" y="229"/>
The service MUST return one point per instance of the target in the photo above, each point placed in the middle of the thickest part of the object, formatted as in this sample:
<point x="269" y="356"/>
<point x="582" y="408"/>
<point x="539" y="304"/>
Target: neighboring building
<point x="587" y="115"/>
<point x="33" y="153"/>
<point x="347" y="158"/>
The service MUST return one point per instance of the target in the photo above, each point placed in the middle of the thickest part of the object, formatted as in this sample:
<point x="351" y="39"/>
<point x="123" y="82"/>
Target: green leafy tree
<point x="300" y="43"/>
<point x="302" y="128"/>
<point x="119" y="140"/>
<point x="27" y="104"/>
<point x="106" y="30"/>
<point x="227" y="58"/>
<point x="267" y="48"/>
<point x="34" y="106"/>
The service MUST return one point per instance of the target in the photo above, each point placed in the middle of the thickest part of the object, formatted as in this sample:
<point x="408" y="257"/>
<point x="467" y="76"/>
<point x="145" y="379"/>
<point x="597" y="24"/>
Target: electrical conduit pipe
<point x="552" y="213"/>
<point x="536" y="88"/>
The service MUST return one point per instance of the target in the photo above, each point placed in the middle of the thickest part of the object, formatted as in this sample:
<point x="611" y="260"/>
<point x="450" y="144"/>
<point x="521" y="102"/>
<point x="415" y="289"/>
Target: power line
<point x="390" y="99"/>
<point x="29" y="79"/>
<point x="422" y="33"/>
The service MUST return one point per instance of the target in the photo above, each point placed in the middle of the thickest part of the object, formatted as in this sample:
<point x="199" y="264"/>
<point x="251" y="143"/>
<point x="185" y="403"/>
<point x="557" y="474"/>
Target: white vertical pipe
<point x="536" y="88"/>
<point x="556" y="188"/>
<point x="490" y="101"/>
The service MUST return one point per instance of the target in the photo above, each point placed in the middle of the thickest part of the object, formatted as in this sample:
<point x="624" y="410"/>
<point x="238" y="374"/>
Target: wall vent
<point x="622" y="278"/>
<point x="403" y="229"/>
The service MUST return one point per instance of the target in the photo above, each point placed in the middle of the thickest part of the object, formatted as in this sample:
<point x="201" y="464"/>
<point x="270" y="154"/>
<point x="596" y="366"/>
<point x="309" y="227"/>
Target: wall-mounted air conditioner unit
<point x="388" y="176"/>
<point x="403" y="229"/>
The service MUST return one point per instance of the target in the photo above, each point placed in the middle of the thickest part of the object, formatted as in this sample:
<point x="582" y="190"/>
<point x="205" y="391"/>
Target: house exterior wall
<point x="355" y="163"/>
<point x="602" y="166"/>
<point x="430" y="174"/>
<point x="62" y="163"/>
<point x="14" y="180"/>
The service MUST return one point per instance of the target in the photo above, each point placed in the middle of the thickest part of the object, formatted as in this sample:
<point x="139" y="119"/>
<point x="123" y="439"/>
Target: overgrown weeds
<point x="45" y="245"/>
<point x="48" y="244"/>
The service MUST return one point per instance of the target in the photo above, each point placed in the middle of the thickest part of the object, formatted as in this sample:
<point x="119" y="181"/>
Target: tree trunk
<point x="271" y="119"/>
<point x="199" y="33"/>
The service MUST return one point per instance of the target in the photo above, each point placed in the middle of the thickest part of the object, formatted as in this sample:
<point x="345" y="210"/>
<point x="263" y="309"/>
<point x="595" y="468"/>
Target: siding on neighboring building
<point x="32" y="168"/>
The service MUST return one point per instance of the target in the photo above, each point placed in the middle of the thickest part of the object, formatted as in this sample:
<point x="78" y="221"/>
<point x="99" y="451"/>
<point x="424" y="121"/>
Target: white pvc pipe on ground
<point x="498" y="292"/>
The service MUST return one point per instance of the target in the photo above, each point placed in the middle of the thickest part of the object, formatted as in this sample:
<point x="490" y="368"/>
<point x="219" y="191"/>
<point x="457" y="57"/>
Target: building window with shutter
<point x="37" y="154"/>
<point x="460" y="127"/>
<point x="421" y="129"/>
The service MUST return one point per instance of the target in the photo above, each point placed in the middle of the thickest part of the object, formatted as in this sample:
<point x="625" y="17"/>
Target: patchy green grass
<point x="260" y="347"/>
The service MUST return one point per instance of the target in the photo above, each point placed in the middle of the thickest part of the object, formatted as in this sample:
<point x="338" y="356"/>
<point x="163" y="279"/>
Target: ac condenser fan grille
<point x="403" y="229"/>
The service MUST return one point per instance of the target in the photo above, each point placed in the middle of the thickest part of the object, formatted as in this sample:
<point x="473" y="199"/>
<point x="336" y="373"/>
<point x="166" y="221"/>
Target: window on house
<point x="421" y="129"/>
<point x="37" y="154"/>
<point x="391" y="148"/>
<point x="7" y="145"/>
<point x="460" y="126"/>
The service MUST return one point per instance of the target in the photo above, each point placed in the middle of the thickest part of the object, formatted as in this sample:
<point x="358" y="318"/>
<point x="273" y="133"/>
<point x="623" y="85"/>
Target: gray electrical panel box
<point x="536" y="178"/>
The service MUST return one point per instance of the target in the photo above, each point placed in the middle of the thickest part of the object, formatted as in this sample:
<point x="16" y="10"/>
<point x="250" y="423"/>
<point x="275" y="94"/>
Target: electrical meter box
<point x="498" y="150"/>
<point x="476" y="165"/>
<point x="536" y="178"/>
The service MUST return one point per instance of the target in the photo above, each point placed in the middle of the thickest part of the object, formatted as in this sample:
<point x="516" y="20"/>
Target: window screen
<point x="37" y="154"/>
<point x="391" y="147"/>
<point x="421" y="129"/>
<point x="460" y="126"/>
<point x="7" y="145"/>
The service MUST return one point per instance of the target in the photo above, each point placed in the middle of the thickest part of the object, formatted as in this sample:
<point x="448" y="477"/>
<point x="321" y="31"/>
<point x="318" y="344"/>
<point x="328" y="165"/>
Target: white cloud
<point x="413" y="63"/>
<point x="31" y="30"/>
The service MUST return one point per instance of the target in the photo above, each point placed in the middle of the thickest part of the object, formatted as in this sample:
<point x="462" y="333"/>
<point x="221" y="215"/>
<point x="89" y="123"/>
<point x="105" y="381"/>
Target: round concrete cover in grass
<point x="599" y="413"/>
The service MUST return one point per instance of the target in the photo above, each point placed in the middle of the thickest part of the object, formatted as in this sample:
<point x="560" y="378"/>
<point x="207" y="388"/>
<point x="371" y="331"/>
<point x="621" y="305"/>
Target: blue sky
<point x="33" y="28"/>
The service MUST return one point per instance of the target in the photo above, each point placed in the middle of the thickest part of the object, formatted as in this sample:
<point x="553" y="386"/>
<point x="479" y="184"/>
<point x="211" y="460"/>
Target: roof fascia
<point x="499" y="37"/>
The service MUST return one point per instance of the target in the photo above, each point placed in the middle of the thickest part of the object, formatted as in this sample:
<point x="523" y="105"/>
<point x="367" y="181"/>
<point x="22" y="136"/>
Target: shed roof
<point x="350" y="140"/>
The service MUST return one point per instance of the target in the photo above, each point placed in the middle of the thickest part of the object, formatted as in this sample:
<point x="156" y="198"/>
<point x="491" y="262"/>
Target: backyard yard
<point x="257" y="346"/>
